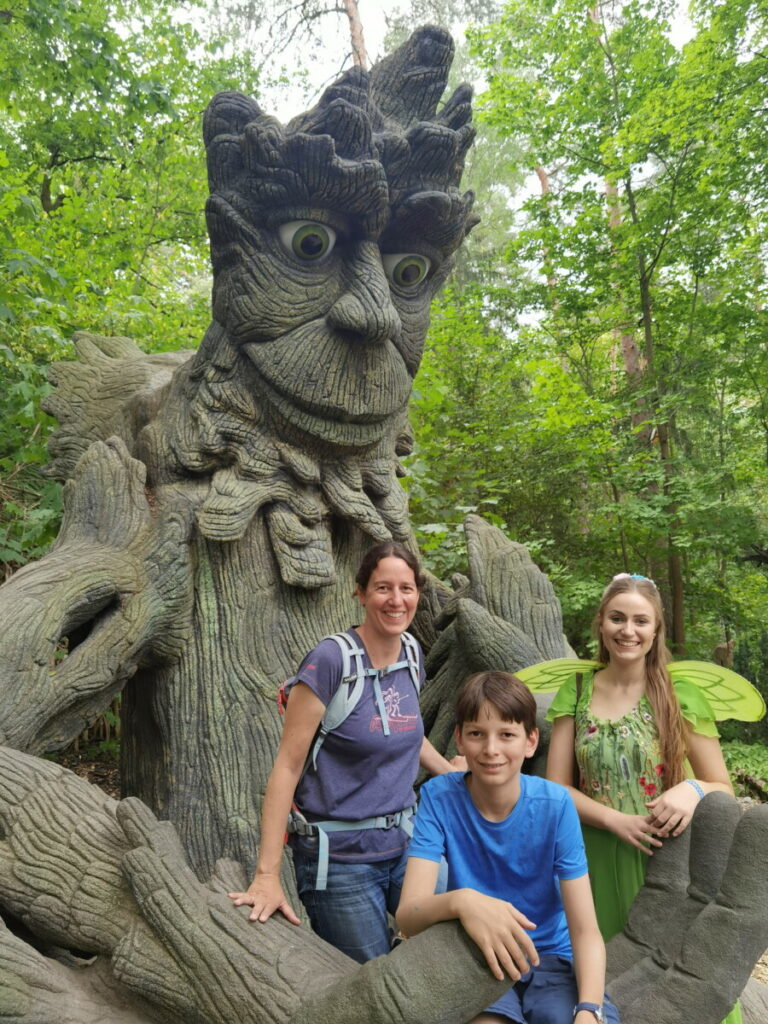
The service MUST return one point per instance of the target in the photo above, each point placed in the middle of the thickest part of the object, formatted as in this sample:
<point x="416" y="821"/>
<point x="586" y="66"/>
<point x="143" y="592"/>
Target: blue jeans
<point x="351" y="912"/>
<point x="545" y="995"/>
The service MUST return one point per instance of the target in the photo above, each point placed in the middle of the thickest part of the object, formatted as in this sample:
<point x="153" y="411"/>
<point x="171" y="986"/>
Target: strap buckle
<point x="299" y="826"/>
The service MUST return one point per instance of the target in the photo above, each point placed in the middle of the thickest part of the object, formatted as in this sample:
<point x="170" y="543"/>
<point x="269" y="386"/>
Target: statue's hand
<point x="698" y="925"/>
<point x="215" y="965"/>
<point x="60" y="861"/>
<point x="50" y="989"/>
<point x="112" y="595"/>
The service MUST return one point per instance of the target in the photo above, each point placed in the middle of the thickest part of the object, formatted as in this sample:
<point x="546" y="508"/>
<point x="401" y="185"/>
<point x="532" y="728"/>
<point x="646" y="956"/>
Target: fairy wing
<point x="729" y="694"/>
<point x="547" y="676"/>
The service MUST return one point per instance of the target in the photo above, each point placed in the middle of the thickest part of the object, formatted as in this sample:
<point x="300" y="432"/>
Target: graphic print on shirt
<point x="398" y="722"/>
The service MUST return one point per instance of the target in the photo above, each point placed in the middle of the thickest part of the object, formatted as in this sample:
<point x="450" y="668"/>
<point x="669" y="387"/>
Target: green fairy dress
<point x="620" y="766"/>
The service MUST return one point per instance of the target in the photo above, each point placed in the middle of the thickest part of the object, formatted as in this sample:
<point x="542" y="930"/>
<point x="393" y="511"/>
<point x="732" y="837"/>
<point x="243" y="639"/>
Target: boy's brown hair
<point x="508" y="694"/>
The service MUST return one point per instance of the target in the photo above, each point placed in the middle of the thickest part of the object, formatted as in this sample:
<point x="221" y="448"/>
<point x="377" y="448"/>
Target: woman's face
<point x="390" y="598"/>
<point x="628" y="627"/>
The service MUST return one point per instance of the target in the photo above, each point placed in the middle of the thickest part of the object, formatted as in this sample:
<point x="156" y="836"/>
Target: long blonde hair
<point x="658" y="685"/>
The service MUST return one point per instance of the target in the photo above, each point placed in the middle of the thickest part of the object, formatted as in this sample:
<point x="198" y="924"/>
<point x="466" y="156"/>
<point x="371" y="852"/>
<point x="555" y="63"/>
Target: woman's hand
<point x="265" y="894"/>
<point x="671" y="813"/>
<point x="500" y="930"/>
<point x="636" y="829"/>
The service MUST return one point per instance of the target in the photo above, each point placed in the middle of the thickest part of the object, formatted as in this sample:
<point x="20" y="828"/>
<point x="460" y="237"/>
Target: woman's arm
<point x="632" y="828"/>
<point x="436" y="764"/>
<point x="265" y="893"/>
<point x="498" y="928"/>
<point x="671" y="813"/>
<point x="586" y="942"/>
<point x="706" y="760"/>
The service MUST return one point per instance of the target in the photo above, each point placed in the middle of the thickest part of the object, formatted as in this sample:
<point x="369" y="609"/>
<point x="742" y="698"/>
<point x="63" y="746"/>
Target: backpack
<point x="350" y="691"/>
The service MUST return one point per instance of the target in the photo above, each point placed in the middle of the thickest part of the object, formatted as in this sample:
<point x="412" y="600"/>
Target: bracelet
<point x="696" y="786"/>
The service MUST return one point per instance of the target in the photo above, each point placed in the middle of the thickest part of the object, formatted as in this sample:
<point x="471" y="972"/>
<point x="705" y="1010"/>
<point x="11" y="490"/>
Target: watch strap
<point x="594" y="1008"/>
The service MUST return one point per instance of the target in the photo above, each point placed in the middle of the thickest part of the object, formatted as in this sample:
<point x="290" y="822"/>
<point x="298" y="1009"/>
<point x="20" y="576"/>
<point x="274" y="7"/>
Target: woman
<point x="646" y="751"/>
<point x="362" y="775"/>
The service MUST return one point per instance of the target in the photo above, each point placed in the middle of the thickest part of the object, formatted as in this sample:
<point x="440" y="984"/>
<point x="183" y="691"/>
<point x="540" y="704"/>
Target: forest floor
<point x="102" y="769"/>
<point x="98" y="767"/>
<point x="761" y="969"/>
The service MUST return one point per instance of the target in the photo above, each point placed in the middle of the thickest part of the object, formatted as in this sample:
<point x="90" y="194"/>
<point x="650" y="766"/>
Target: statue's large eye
<point x="307" y="240"/>
<point x="405" y="269"/>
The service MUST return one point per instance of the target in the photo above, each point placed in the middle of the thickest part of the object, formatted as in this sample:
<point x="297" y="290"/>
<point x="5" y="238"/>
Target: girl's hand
<point x="635" y="829"/>
<point x="671" y="813"/>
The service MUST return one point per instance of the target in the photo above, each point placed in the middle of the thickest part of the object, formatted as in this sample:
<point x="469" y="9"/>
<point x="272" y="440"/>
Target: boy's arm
<point x="498" y="928"/>
<point x="586" y="942"/>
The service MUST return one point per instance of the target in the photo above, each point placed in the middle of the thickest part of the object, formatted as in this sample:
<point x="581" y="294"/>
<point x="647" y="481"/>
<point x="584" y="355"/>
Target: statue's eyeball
<point x="307" y="240"/>
<point x="405" y="269"/>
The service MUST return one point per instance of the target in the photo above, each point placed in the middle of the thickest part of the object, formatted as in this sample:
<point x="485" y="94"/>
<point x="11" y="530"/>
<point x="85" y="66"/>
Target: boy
<point x="516" y="865"/>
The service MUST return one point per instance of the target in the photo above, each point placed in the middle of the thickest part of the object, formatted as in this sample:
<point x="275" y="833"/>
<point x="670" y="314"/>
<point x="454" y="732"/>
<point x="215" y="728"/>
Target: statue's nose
<point x="365" y="306"/>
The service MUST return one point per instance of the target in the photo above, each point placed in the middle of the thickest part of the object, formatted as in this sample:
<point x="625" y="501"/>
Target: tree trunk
<point x="359" y="55"/>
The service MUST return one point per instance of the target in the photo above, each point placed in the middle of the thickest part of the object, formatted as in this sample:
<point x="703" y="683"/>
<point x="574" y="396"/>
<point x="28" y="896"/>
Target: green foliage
<point x="459" y="461"/>
<point x="751" y="660"/>
<point x="618" y="420"/>
<point x="29" y="508"/>
<point x="747" y="765"/>
<point x="102" y="190"/>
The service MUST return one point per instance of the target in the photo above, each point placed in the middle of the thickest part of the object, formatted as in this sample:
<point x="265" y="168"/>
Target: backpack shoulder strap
<point x="412" y="651"/>
<point x="348" y="693"/>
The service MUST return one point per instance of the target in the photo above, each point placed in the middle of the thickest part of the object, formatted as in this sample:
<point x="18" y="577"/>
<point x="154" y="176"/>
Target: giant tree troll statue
<point x="217" y="504"/>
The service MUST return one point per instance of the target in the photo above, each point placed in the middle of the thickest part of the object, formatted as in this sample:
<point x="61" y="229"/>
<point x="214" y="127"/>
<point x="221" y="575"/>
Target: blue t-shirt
<point x="520" y="859"/>
<point x="361" y="772"/>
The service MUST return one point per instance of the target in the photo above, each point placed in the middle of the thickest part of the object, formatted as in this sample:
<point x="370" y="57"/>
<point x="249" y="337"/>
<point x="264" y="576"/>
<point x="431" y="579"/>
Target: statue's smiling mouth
<point x="344" y="402"/>
<point x="328" y="376"/>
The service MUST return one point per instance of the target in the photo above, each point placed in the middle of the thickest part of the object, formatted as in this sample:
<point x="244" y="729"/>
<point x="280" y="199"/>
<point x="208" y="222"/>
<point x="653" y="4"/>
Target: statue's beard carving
<point x="255" y="464"/>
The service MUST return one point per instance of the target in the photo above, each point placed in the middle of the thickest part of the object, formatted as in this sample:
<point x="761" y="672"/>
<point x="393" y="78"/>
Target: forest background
<point x="595" y="380"/>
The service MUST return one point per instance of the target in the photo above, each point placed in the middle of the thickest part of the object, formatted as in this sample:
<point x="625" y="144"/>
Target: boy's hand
<point x="499" y="929"/>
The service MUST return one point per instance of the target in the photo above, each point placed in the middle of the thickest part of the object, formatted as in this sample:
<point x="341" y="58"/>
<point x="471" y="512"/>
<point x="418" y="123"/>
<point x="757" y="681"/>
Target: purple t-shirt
<point x="361" y="772"/>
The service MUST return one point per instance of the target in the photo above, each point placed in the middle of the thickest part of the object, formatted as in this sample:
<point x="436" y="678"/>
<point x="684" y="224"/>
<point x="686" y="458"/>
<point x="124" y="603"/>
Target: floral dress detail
<point x="619" y="761"/>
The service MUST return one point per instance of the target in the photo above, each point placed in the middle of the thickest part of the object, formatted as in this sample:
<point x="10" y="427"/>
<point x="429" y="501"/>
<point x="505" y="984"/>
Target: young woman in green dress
<point x="646" y="748"/>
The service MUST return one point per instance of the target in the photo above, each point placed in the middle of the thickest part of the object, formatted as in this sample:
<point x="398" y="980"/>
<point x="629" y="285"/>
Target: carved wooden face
<point x="332" y="314"/>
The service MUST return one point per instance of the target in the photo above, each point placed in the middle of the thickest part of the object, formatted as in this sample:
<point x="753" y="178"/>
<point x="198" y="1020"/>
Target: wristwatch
<point x="592" y="1008"/>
